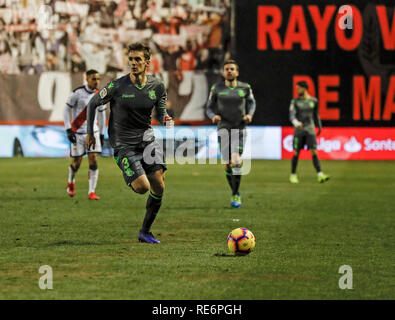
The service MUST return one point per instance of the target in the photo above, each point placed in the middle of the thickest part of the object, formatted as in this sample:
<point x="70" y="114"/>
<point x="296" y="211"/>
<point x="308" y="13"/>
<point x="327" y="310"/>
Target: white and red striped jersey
<point x="77" y="102"/>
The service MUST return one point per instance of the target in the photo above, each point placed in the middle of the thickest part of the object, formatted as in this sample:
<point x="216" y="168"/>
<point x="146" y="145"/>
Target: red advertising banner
<point x="341" y="143"/>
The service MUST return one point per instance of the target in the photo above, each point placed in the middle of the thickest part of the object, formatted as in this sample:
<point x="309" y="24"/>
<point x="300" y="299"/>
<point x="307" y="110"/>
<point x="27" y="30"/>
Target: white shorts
<point x="79" y="148"/>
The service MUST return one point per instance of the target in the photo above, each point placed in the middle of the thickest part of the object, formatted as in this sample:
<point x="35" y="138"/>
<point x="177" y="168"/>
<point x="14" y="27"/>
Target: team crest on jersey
<point x="311" y="104"/>
<point x="152" y="94"/>
<point x="241" y="93"/>
<point x="103" y="93"/>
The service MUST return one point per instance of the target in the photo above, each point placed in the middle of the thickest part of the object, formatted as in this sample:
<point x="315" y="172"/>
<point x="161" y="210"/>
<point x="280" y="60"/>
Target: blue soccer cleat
<point x="147" y="237"/>
<point x="236" y="201"/>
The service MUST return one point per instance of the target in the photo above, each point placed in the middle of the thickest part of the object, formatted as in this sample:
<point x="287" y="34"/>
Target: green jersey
<point x="305" y="111"/>
<point x="130" y="109"/>
<point x="231" y="103"/>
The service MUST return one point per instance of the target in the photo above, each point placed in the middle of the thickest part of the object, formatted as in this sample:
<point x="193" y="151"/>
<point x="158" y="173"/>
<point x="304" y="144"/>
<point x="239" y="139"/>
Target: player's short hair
<point x="139" y="46"/>
<point x="302" y="84"/>
<point x="230" y="61"/>
<point x="90" y="72"/>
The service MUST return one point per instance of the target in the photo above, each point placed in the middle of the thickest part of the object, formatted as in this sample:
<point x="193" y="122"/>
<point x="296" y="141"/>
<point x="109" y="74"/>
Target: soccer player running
<point x="132" y="99"/>
<point x="231" y="105"/>
<point x="303" y="113"/>
<point x="77" y="129"/>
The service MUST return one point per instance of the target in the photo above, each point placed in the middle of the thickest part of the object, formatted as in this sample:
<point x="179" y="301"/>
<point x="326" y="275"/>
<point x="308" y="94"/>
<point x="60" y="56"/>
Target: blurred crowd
<point x="74" y="36"/>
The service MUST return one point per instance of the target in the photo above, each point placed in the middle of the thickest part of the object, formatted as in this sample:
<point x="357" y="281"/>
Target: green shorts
<point x="304" y="138"/>
<point x="144" y="158"/>
<point x="231" y="141"/>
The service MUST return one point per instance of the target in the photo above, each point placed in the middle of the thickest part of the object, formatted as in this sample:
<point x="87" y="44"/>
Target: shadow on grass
<point x="77" y="243"/>
<point x="225" y="255"/>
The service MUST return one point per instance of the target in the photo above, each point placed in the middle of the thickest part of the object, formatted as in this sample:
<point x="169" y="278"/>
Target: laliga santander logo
<point x="339" y="147"/>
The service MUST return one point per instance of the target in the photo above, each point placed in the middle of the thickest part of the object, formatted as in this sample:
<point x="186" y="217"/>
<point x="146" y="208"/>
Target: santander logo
<point x="352" y="145"/>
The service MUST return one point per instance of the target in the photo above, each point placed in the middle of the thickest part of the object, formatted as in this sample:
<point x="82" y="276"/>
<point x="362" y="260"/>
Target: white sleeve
<point x="70" y="104"/>
<point x="66" y="117"/>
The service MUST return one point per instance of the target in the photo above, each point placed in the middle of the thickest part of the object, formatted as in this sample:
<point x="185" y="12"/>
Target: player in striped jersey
<point x="76" y="129"/>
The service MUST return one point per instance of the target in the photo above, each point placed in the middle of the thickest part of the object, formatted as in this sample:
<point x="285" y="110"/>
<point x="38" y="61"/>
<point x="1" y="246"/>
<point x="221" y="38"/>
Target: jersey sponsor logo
<point x="125" y="96"/>
<point x="103" y="93"/>
<point x="223" y="93"/>
<point x="152" y="94"/>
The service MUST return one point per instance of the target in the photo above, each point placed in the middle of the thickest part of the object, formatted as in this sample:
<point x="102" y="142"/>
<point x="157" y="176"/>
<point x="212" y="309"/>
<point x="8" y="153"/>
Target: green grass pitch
<point x="304" y="233"/>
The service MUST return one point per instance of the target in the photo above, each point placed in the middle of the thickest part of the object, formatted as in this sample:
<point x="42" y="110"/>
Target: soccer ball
<point x="241" y="241"/>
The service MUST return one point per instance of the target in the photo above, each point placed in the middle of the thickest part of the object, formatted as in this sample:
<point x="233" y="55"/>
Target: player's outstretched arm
<point x="90" y="118"/>
<point x="101" y="98"/>
<point x="101" y="118"/>
<point x="160" y="106"/>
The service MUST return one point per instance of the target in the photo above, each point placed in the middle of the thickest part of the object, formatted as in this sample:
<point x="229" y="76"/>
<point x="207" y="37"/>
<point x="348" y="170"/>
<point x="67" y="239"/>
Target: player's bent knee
<point x="93" y="166"/>
<point x="139" y="189"/>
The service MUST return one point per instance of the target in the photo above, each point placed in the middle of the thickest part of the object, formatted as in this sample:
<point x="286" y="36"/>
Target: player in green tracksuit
<point x="303" y="113"/>
<point x="231" y="105"/>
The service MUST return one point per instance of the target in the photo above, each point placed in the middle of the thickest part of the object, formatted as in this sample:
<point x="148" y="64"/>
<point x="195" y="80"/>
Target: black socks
<point x="153" y="205"/>
<point x="294" y="164"/>
<point x="236" y="179"/>
<point x="233" y="179"/>
<point x="316" y="163"/>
